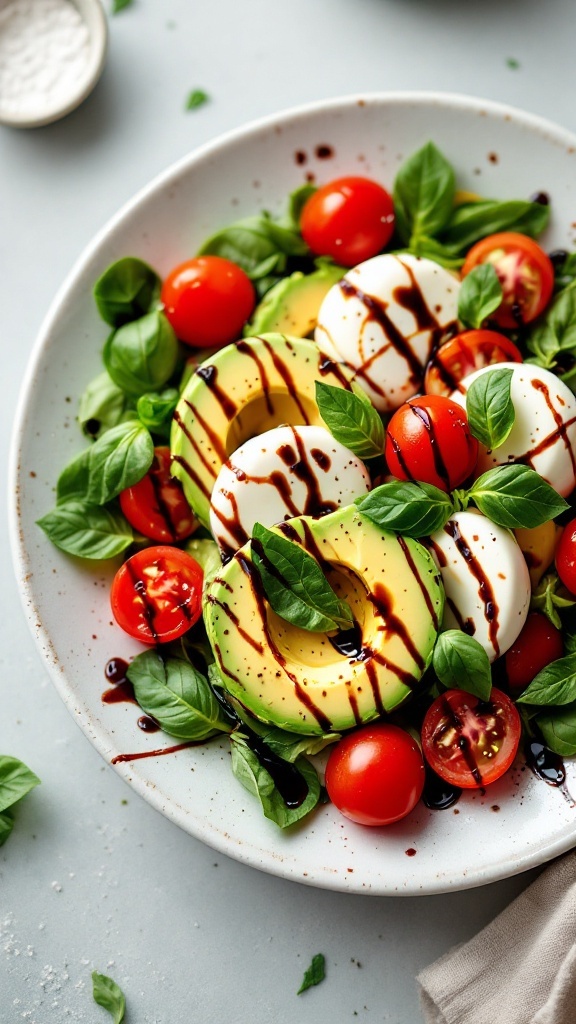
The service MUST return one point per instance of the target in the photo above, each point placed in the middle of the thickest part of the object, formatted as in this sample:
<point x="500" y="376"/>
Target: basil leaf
<point x="295" y="585"/>
<point x="351" y="419"/>
<point x="296" y="202"/>
<point x="74" y="480"/>
<point x="88" y="531"/>
<point x="155" y="410"/>
<point x="108" y="994"/>
<point x="547" y="598"/>
<point x="480" y="294"/>
<point x="412" y="509"/>
<point x="284" y="744"/>
<point x="555" y="684"/>
<point x="6" y="826"/>
<point x="179" y="697"/>
<point x="489" y="407"/>
<point x="259" y="246"/>
<point x="313" y="974"/>
<point x="259" y="782"/>
<point x="423" y="194"/>
<point x="196" y="98"/>
<point x="142" y="355"/>
<point x="469" y="222"/>
<point x="126" y="291"/>
<point x="118" y="459"/>
<point x="514" y="496"/>
<point x="564" y="271"/>
<point x="461" y="663"/>
<point x="558" y="728"/>
<point x="556" y="334"/>
<point x="102" y="405"/>
<point x="16" y="780"/>
<point x="432" y="249"/>
<point x="120" y="5"/>
<point x="207" y="554"/>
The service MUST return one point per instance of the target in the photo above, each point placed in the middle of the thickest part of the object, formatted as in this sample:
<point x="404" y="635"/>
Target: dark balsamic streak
<point x="245" y="349"/>
<point x="209" y="375"/>
<point x="420" y="581"/>
<point x="485" y="591"/>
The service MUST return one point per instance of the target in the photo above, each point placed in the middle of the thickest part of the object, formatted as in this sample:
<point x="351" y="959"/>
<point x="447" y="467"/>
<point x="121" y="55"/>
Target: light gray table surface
<point x="92" y="877"/>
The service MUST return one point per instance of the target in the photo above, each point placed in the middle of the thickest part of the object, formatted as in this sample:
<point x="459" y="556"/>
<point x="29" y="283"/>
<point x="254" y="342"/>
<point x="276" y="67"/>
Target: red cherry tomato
<point x="429" y="439"/>
<point x="469" y="351"/>
<point x="470" y="743"/>
<point x="537" y="644"/>
<point x="349" y="219"/>
<point x="208" y="300"/>
<point x="566" y="556"/>
<point x="156" y="505"/>
<point x="375" y="775"/>
<point x="525" y="272"/>
<point x="157" y="594"/>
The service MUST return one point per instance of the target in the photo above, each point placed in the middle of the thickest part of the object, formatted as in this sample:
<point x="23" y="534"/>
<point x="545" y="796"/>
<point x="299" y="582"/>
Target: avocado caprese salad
<point x="336" y="450"/>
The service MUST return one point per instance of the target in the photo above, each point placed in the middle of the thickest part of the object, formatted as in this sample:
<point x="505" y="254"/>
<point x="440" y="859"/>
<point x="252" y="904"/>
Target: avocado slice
<point x="306" y="682"/>
<point x="242" y="390"/>
<point x="292" y="305"/>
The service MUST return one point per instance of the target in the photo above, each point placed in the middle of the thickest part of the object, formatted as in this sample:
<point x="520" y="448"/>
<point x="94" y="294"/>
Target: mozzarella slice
<point x="383" y="320"/>
<point x="544" y="431"/>
<point x="284" y="472"/>
<point x="485" y="578"/>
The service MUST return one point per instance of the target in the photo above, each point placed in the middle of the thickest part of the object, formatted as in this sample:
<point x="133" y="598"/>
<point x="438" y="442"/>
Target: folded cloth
<point x="520" y="969"/>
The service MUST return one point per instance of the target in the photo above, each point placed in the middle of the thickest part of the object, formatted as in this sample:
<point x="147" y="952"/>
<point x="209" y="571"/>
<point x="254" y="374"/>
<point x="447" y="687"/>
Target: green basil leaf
<point x="74" y="479"/>
<point x="259" y="782"/>
<point x="556" y="333"/>
<point x="109" y="995"/>
<point x="295" y="585"/>
<point x="179" y="697"/>
<point x="88" y="531"/>
<point x="120" y="5"/>
<point x="6" y="826"/>
<point x="513" y="496"/>
<point x="142" y="355"/>
<point x="351" y="419"/>
<point x="432" y="249"/>
<point x="259" y="246"/>
<point x="489" y="407"/>
<point x="155" y="410"/>
<point x="126" y="291"/>
<point x="565" y="272"/>
<point x="102" y="405"/>
<point x="196" y="98"/>
<point x="118" y="459"/>
<point x="555" y="684"/>
<point x="284" y="744"/>
<point x="207" y="554"/>
<point x="548" y="597"/>
<point x="16" y="780"/>
<point x="558" y="728"/>
<point x="461" y="663"/>
<point x="480" y="294"/>
<point x="314" y="974"/>
<point x="412" y="509"/>
<point x="296" y="202"/>
<point x="423" y="194"/>
<point x="469" y="222"/>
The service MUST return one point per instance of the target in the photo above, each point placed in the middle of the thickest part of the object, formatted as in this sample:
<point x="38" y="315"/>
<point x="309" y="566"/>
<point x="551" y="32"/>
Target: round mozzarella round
<point x="383" y="320"/>
<point x="486" y="580"/>
<point x="544" y="432"/>
<point x="284" y="472"/>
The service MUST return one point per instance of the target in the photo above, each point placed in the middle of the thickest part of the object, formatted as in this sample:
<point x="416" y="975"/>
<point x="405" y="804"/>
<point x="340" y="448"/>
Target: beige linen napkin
<point x="520" y="969"/>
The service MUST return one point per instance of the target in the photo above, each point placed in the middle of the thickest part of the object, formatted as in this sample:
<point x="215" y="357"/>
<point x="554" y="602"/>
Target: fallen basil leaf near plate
<point x="109" y="995"/>
<point x="314" y="974"/>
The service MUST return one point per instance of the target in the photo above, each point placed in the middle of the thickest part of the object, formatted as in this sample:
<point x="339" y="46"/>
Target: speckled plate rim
<point x="247" y="852"/>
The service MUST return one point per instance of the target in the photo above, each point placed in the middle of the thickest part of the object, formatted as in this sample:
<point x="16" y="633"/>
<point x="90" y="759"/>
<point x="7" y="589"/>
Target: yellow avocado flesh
<point x="292" y="305"/>
<point x="243" y="390"/>
<point x="299" y="680"/>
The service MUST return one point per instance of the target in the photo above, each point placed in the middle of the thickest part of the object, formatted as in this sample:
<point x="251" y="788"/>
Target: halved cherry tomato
<point x="429" y="439"/>
<point x="156" y="594"/>
<point x="469" y="742"/>
<point x="566" y="556"/>
<point x="469" y="351"/>
<point x="537" y="644"/>
<point x="350" y="219"/>
<point x="375" y="775"/>
<point x="208" y="300"/>
<point x="156" y="506"/>
<point x="525" y="272"/>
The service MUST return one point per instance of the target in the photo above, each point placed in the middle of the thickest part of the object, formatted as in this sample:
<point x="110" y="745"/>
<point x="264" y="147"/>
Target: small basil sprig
<point x="117" y="460"/>
<point x="552" y="341"/>
<point x="295" y="585"/>
<point x="424" y="191"/>
<point x="102" y="405"/>
<point x="554" y="685"/>
<point x="480" y="295"/>
<point x="87" y="531"/>
<point x="249" y="770"/>
<point x="141" y="356"/>
<point x="109" y="995"/>
<point x="516" y="496"/>
<point x="126" y="291"/>
<point x="155" y="410"/>
<point x="489" y="407"/>
<point x="558" y="729"/>
<point x="351" y="419"/>
<point x="412" y="509"/>
<point x="549" y="596"/>
<point x="460" y="662"/>
<point x="16" y="780"/>
<point x="314" y="974"/>
<point x="179" y="697"/>
<point x="469" y="222"/>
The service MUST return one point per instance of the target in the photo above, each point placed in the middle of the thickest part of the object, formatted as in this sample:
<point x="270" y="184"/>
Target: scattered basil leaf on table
<point x="461" y="663"/>
<point x="126" y="291"/>
<point x="179" y="697"/>
<point x="88" y="531"/>
<point x="314" y="974"/>
<point x="16" y="780"/>
<point x="351" y="419"/>
<point x="424" y="191"/>
<point x="102" y="405"/>
<point x="558" y="729"/>
<point x="295" y="585"/>
<point x="469" y="222"/>
<point x="411" y="509"/>
<point x="120" y="5"/>
<point x="109" y="995"/>
<point x="554" y="685"/>
<point x="489" y="407"/>
<point x="196" y="98"/>
<point x="514" y="496"/>
<point x="548" y="597"/>
<point x="156" y="409"/>
<point x="258" y="781"/>
<point x="6" y="826"/>
<point x="480" y="295"/>
<point x="117" y="460"/>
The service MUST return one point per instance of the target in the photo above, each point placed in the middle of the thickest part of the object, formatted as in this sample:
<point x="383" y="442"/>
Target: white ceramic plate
<point x="520" y="822"/>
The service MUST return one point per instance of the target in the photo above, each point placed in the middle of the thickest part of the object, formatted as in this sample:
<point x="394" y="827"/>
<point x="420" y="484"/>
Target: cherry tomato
<point x="566" y="556"/>
<point x="157" y="594"/>
<point x="375" y="775"/>
<point x="429" y="439"/>
<point x="208" y="300"/>
<point x="525" y="272"/>
<point x="468" y="742"/>
<point x="537" y="644"/>
<point x="463" y="354"/>
<point x="349" y="219"/>
<point x="156" y="505"/>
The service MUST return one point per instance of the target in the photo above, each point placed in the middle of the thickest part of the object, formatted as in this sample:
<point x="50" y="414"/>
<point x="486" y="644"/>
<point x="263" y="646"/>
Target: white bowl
<point x="498" y="152"/>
